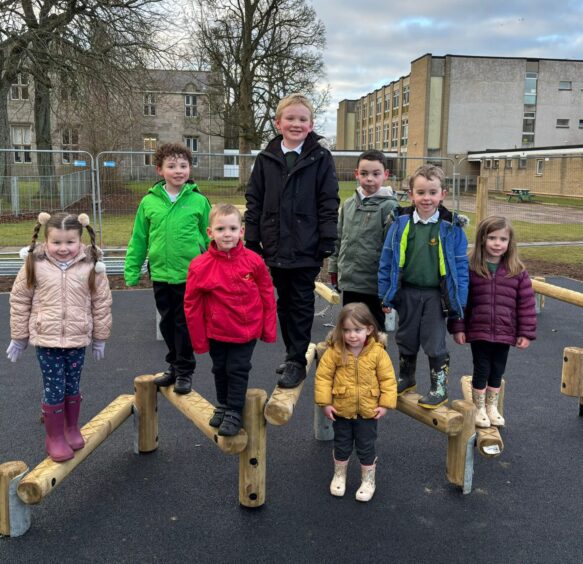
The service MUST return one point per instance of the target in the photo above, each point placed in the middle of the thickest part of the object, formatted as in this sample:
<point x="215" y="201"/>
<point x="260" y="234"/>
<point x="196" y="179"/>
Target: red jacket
<point x="229" y="297"/>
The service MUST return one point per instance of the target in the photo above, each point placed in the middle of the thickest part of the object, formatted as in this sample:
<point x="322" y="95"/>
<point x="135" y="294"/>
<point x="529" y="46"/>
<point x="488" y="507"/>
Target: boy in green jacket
<point x="170" y="229"/>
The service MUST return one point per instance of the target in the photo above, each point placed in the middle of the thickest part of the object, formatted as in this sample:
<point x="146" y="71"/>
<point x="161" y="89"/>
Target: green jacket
<point x="362" y="227"/>
<point x="169" y="234"/>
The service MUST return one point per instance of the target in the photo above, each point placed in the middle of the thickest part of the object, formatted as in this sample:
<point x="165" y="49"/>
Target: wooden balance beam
<point x="330" y="295"/>
<point x="569" y="296"/>
<point x="572" y="374"/>
<point x="280" y="406"/>
<point x="488" y="440"/>
<point x="48" y="474"/>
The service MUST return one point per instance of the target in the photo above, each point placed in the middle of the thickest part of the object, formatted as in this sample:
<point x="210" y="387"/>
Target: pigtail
<point x="42" y="219"/>
<point x="94" y="253"/>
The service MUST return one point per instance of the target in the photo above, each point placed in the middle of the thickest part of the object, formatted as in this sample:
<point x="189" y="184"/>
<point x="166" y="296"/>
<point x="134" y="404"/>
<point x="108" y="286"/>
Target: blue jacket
<point x="453" y="261"/>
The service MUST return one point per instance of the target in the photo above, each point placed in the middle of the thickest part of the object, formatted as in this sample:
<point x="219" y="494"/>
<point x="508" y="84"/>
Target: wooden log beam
<point x="146" y="410"/>
<point x="48" y="474"/>
<point x="280" y="406"/>
<point x="460" y="448"/>
<point x="199" y="411"/>
<point x="330" y="295"/>
<point x="8" y="526"/>
<point x="569" y="296"/>
<point x="443" y="418"/>
<point x="572" y="375"/>
<point x="253" y="460"/>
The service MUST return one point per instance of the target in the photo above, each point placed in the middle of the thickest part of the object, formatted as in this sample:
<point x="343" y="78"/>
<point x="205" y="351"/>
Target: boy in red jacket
<point x="229" y="303"/>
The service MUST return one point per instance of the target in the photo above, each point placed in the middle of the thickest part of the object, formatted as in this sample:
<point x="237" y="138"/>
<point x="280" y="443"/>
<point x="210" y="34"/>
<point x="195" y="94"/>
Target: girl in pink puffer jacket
<point x="60" y="303"/>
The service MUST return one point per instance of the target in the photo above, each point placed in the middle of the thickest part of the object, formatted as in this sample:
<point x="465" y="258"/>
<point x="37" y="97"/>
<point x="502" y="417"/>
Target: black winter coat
<point x="290" y="213"/>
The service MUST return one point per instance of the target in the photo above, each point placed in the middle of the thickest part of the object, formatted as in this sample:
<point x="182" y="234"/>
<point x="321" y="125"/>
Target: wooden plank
<point x="330" y="295"/>
<point x="572" y="375"/>
<point x="48" y="474"/>
<point x="199" y="411"/>
<point x="443" y="419"/>
<point x="569" y="296"/>
<point x="8" y="471"/>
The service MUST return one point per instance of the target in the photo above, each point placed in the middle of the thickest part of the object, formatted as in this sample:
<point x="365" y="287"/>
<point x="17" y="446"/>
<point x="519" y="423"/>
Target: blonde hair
<point x="290" y="101"/>
<point x="359" y="314"/>
<point x="221" y="210"/>
<point x="429" y="172"/>
<point x="511" y="260"/>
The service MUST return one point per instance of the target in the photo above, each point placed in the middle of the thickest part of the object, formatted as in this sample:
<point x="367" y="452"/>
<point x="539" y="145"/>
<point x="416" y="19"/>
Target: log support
<point x="14" y="514"/>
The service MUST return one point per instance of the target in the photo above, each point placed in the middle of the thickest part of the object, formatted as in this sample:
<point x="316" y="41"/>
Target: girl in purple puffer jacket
<point x="500" y="312"/>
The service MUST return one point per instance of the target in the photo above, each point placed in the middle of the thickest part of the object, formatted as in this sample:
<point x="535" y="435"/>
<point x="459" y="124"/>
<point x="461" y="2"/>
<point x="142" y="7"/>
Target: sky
<point x="370" y="43"/>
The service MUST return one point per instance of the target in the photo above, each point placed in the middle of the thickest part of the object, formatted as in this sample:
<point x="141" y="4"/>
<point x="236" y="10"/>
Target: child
<point x="229" y="304"/>
<point x="170" y="229"/>
<point x="423" y="274"/>
<point x="362" y="227"/>
<point x="500" y="312"/>
<point x="355" y="385"/>
<point x="291" y="216"/>
<point x="61" y="302"/>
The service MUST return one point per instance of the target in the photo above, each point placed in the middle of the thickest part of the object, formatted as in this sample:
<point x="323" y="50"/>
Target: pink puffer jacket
<point x="60" y="311"/>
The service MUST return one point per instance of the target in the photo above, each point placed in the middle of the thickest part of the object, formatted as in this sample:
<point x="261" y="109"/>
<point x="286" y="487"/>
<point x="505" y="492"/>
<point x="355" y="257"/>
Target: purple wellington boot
<point x="72" y="432"/>
<point x="55" y="443"/>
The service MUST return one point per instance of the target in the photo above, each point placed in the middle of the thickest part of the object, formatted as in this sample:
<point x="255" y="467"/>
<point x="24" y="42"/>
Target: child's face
<point x="496" y="245"/>
<point x="294" y="124"/>
<point x="226" y="231"/>
<point x="63" y="245"/>
<point x="176" y="171"/>
<point x="371" y="175"/>
<point x="355" y="335"/>
<point x="426" y="196"/>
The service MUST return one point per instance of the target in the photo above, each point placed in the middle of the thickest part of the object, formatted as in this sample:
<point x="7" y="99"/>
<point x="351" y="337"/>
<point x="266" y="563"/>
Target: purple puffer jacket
<point x="499" y="310"/>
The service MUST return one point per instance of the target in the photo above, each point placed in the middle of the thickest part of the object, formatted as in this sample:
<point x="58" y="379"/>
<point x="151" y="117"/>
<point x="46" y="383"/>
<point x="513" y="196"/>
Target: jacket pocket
<point x="306" y="234"/>
<point x="339" y="391"/>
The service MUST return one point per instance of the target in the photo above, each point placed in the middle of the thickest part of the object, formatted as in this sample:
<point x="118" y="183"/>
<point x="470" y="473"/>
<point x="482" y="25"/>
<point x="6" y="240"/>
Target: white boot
<point x="492" y="395"/>
<point x="479" y="399"/>
<point x="338" y="484"/>
<point x="367" y="488"/>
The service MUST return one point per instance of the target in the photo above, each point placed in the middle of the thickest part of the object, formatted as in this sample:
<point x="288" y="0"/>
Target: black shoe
<point x="183" y="384"/>
<point x="406" y="377"/>
<point x="218" y="415"/>
<point x="293" y="375"/>
<point x="280" y="368"/>
<point x="231" y="423"/>
<point x="437" y="394"/>
<point x="167" y="379"/>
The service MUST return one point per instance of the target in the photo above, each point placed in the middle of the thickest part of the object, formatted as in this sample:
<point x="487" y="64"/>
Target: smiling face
<point x="63" y="245"/>
<point x="175" y="171"/>
<point x="294" y="123"/>
<point x="496" y="245"/>
<point x="426" y="196"/>
<point x="371" y="176"/>
<point x="355" y="335"/>
<point x="226" y="231"/>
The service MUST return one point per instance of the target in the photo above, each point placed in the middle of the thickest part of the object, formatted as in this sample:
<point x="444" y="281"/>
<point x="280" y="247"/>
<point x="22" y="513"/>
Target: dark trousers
<point x="295" y="308"/>
<point x="231" y="367"/>
<point x="170" y="305"/>
<point x="61" y="370"/>
<point x="371" y="300"/>
<point x="489" y="363"/>
<point x="350" y="433"/>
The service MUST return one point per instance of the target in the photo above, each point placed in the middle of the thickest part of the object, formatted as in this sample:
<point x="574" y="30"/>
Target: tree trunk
<point x="4" y="139"/>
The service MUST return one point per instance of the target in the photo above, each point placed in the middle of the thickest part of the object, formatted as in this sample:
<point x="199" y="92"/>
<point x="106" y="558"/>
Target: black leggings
<point x="489" y="363"/>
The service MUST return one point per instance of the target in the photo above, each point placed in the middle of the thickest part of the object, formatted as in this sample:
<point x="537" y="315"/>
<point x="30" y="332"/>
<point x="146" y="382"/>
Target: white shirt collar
<point x="298" y="149"/>
<point x="433" y="219"/>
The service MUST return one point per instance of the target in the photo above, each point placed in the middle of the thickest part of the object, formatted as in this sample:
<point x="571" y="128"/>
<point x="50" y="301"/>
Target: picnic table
<point x="401" y="194"/>
<point x="521" y="195"/>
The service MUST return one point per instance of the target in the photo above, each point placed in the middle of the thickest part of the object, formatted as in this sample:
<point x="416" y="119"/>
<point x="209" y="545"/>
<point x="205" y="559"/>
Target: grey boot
<point x="438" y="392"/>
<point x="406" y="377"/>
<point x="368" y="486"/>
<point x="338" y="484"/>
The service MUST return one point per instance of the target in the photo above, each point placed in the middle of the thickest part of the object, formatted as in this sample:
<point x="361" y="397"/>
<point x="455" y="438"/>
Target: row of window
<point x="151" y="144"/>
<point x="190" y="104"/>
<point x="495" y="163"/>
<point x="565" y="123"/>
<point x="378" y="104"/>
<point x="370" y="140"/>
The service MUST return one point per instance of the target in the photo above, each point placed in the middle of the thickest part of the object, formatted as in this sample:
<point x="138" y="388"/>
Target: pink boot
<point x="55" y="443"/>
<point x="72" y="433"/>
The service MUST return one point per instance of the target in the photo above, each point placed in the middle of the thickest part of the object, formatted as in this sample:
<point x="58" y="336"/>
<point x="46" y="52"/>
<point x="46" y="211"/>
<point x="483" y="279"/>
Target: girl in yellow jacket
<point x="355" y="385"/>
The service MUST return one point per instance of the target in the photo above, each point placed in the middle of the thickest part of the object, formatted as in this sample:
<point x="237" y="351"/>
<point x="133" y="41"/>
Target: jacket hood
<point x="312" y="141"/>
<point x="385" y="192"/>
<point x="235" y="251"/>
<point x="40" y="253"/>
<point x="444" y="213"/>
<point x="188" y="185"/>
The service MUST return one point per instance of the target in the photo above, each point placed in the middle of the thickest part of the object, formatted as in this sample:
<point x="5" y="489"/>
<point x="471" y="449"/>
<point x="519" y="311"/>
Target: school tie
<point x="290" y="158"/>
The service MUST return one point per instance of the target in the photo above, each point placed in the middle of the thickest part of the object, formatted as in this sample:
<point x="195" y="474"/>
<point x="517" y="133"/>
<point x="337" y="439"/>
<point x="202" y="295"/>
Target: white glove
<point x="16" y="348"/>
<point x="98" y="350"/>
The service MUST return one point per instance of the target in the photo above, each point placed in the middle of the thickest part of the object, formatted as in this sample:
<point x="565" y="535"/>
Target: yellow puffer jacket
<point x="358" y="387"/>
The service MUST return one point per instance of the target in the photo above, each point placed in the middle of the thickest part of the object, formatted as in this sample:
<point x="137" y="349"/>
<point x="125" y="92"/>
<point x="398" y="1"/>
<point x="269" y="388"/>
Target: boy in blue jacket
<point x="423" y="274"/>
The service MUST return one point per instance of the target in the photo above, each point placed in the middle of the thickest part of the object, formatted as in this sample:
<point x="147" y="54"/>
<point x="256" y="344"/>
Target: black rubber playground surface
<point x="180" y="503"/>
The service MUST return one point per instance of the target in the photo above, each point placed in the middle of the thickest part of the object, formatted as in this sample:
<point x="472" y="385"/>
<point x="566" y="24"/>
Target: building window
<point x="565" y="85"/>
<point x="70" y="142"/>
<point x="386" y="136"/>
<point x="190" y="105"/>
<point x="149" y="145"/>
<point x="405" y="96"/>
<point x="508" y="164"/>
<point x="20" y="135"/>
<point x="562" y="123"/>
<point x="379" y="106"/>
<point x="371" y="109"/>
<point x="581" y="124"/>
<point x="19" y="90"/>
<point x="149" y="104"/>
<point x="377" y="136"/>
<point x="539" y="166"/>
<point x="522" y="163"/>
<point x="394" y="134"/>
<point x="496" y="163"/>
<point x="395" y="99"/>
<point x="488" y="163"/>
<point x="528" y="139"/>
<point x="404" y="132"/>
<point x="363" y="140"/>
<point x="192" y="144"/>
<point x="370" y="139"/>
<point x="530" y="81"/>
<point x="387" y="102"/>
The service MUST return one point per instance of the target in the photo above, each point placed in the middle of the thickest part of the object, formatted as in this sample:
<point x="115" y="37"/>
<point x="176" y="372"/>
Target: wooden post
<point x="146" y="413"/>
<point x="48" y="474"/>
<point x="482" y="199"/>
<point x="572" y="376"/>
<point x="253" y="460"/>
<point x="460" y="448"/>
<point x="443" y="419"/>
<point x="489" y="441"/>
<point x="330" y="295"/>
<point x="14" y="516"/>
<point x="199" y="411"/>
<point x="280" y="406"/>
<point x="540" y="299"/>
<point x="323" y="429"/>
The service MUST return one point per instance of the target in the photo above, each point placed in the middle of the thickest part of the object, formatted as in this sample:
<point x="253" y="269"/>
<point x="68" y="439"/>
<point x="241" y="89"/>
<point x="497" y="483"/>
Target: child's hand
<point x="329" y="412"/>
<point x="16" y="348"/>
<point x="522" y="343"/>
<point x="334" y="280"/>
<point x="379" y="412"/>
<point x="98" y="350"/>
<point x="459" y="338"/>
<point x="387" y="309"/>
